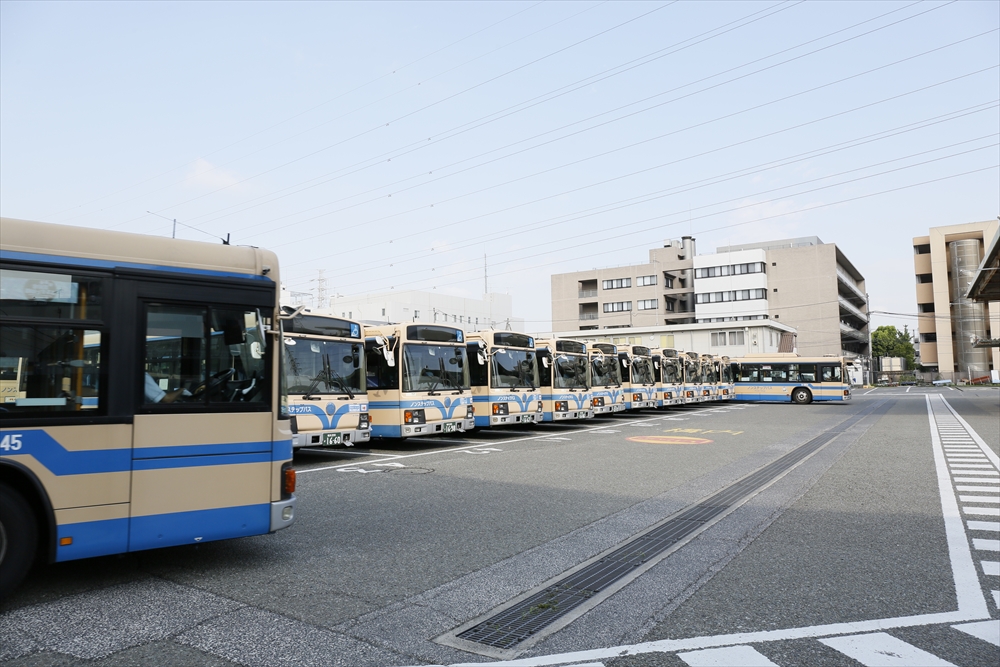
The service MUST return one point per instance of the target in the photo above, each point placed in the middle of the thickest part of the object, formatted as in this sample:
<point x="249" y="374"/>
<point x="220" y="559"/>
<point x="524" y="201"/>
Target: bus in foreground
<point x="504" y="377"/>
<point x="606" y="379"/>
<point x="418" y="380"/>
<point x="789" y="377"/>
<point x="668" y="372"/>
<point x="147" y="412"/>
<point x="325" y="379"/>
<point x="564" y="378"/>
<point x="638" y="383"/>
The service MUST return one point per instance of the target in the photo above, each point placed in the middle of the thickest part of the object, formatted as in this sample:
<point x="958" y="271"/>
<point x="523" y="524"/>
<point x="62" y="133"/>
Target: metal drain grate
<point x="521" y="621"/>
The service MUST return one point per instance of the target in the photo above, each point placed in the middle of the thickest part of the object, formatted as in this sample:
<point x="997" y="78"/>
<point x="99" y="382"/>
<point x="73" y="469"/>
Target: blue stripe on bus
<point x="201" y="450"/>
<point x="482" y="421"/>
<point x="105" y="264"/>
<point x="200" y="461"/>
<point x="282" y="450"/>
<point x="92" y="538"/>
<point x="165" y="530"/>
<point x="60" y="461"/>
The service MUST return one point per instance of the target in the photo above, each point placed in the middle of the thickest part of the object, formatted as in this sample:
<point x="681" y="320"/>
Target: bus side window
<point x="831" y="374"/>
<point x="749" y="373"/>
<point x="174" y="353"/>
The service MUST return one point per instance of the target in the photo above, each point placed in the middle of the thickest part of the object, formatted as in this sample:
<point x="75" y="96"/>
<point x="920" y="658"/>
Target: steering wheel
<point x="216" y="381"/>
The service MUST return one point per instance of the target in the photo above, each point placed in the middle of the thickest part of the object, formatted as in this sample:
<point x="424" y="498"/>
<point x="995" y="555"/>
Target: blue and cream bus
<point x="605" y="379"/>
<point x="668" y="372"/>
<point x="417" y="380"/>
<point x="638" y="382"/>
<point x="789" y="377"/>
<point x="148" y="410"/>
<point x="504" y="375"/>
<point x="565" y="379"/>
<point x="324" y="369"/>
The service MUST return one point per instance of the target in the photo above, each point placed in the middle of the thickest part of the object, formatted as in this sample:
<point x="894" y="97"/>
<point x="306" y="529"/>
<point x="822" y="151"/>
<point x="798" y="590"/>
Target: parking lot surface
<point x="825" y="534"/>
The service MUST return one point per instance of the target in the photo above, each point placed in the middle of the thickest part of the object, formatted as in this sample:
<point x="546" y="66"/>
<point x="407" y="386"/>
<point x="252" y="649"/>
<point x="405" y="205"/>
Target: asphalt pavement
<point x="400" y="547"/>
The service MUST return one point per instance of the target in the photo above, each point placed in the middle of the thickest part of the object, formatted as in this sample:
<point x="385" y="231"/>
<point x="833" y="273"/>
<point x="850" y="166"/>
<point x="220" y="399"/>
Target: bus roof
<point x="101" y="248"/>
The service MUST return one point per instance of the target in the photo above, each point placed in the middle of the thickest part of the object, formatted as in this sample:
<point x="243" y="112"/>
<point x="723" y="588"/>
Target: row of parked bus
<point x="348" y="382"/>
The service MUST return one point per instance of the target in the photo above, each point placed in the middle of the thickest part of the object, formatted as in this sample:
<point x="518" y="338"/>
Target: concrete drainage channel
<point x="524" y="621"/>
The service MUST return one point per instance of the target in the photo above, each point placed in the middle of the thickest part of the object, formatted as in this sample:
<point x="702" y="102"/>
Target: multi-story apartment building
<point x="953" y="327"/>
<point x="641" y="295"/>
<point x="804" y="283"/>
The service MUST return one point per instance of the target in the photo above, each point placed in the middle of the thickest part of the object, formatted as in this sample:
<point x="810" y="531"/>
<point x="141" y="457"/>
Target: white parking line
<point x="988" y="631"/>
<point x="990" y="526"/>
<point x="730" y="656"/>
<point x="990" y="567"/>
<point x="883" y="650"/>
<point x="980" y="499"/>
<point x="985" y="545"/>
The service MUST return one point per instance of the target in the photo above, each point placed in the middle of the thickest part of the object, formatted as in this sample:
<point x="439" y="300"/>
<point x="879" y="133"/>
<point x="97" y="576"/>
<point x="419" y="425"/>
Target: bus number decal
<point x="11" y="442"/>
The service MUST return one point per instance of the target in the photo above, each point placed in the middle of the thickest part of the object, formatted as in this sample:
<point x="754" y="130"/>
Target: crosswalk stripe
<point x="984" y="489"/>
<point x="988" y="631"/>
<point x="984" y="511"/>
<point x="729" y="656"/>
<point x="980" y="499"/>
<point x="986" y="545"/>
<point x="991" y="567"/>
<point x="991" y="526"/>
<point x="883" y="650"/>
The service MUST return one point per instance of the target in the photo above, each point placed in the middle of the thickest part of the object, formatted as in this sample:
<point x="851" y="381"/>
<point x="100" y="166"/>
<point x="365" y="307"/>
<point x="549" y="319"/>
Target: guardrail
<point x="586" y="293"/>
<point x="588" y="316"/>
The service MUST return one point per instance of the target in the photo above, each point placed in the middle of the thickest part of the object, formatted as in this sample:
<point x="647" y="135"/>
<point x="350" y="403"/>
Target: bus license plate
<point x="449" y="427"/>
<point x="333" y="439"/>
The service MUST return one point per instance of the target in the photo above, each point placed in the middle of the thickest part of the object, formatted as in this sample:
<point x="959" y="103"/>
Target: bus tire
<point x="18" y="539"/>
<point x="801" y="395"/>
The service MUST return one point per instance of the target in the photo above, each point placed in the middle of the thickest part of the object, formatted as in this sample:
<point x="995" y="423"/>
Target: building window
<point x="668" y="281"/>
<point x="617" y="283"/>
<point x="416" y="314"/>
<point x="645" y="281"/>
<point x="718" y="339"/>
<point x="924" y="249"/>
<point x="668" y="306"/>
<point x="736" y="338"/>
<point x="647" y="304"/>
<point x="731" y="295"/>
<point x="729" y="270"/>
<point x="928" y="337"/>
<point x="925" y="307"/>
<point x="924" y="278"/>
<point x="617" y="306"/>
<point x="383" y="312"/>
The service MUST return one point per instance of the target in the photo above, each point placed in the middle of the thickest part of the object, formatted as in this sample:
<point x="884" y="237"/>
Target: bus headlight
<point x="470" y="412"/>
<point x="636" y="398"/>
<point x="539" y="408"/>
<point x="500" y="409"/>
<point x="363" y="421"/>
<point x="562" y="406"/>
<point x="413" y="417"/>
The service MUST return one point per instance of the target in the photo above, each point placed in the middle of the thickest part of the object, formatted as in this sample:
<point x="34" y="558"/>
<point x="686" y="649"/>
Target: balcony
<point x="587" y="293"/>
<point x="852" y="309"/>
<point x="588" y="316"/>
<point x="849" y="283"/>
<point x="847" y="331"/>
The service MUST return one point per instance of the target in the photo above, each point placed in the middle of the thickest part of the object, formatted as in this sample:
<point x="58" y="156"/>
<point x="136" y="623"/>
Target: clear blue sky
<point x="396" y="144"/>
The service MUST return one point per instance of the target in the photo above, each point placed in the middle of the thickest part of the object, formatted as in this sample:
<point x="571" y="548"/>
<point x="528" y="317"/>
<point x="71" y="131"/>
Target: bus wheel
<point x="801" y="396"/>
<point x="18" y="539"/>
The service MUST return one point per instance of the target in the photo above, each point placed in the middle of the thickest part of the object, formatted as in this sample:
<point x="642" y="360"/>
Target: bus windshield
<point x="323" y="366"/>
<point x="642" y="371"/>
<point x="606" y="372"/>
<point x="670" y="371"/>
<point x="430" y="367"/>
<point x="570" y="372"/>
<point x="514" y="368"/>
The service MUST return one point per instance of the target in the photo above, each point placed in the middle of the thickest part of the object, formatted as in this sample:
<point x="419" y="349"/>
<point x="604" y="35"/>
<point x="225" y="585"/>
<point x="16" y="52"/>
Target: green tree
<point x="888" y="341"/>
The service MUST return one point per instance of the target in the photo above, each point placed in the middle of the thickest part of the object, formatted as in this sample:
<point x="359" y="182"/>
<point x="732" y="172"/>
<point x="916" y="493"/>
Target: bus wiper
<point x="323" y="375"/>
<point x="445" y="379"/>
<point x="338" y="378"/>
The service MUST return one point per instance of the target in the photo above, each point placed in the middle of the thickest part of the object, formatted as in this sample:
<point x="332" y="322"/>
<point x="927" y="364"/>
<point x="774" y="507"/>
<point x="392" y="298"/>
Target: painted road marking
<point x="981" y="511"/>
<point x="361" y="470"/>
<point x="730" y="656"/>
<point x="978" y="488"/>
<point x="669" y="440"/>
<point x="990" y="526"/>
<point x="390" y="465"/>
<point x="991" y="567"/>
<point x="980" y="499"/>
<point x="985" y="545"/>
<point x="553" y="439"/>
<point x="988" y="631"/>
<point x="883" y="650"/>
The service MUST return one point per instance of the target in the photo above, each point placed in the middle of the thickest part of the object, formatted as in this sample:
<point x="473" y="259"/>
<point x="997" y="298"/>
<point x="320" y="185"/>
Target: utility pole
<point x="321" y="290"/>
<point x="486" y="280"/>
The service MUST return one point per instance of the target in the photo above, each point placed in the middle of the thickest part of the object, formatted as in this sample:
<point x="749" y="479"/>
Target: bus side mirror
<point x="545" y="362"/>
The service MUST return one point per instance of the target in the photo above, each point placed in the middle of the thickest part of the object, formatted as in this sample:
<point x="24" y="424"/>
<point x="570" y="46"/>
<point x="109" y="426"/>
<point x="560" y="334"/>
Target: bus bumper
<point x="282" y="513"/>
<point x="522" y="418"/>
<point x="330" y="438"/>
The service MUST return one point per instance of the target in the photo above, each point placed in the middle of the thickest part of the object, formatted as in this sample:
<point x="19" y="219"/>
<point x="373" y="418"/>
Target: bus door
<point x="202" y="441"/>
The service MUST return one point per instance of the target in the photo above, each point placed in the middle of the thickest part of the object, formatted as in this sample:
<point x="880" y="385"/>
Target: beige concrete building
<point x="804" y="283"/>
<point x="952" y="327"/>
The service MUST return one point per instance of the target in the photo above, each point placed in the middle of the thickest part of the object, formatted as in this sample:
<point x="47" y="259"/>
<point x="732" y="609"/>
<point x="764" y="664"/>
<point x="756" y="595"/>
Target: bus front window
<point x="570" y="372"/>
<point x="514" y="368"/>
<point x="642" y="371"/>
<point x="432" y="367"/>
<point x="323" y="366"/>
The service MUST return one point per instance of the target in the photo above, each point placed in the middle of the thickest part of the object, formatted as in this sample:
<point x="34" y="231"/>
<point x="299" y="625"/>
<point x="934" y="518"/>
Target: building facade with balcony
<point x="955" y="330"/>
<point x="803" y="283"/>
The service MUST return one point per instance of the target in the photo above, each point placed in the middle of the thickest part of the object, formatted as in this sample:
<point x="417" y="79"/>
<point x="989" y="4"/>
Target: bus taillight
<point x="287" y="480"/>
